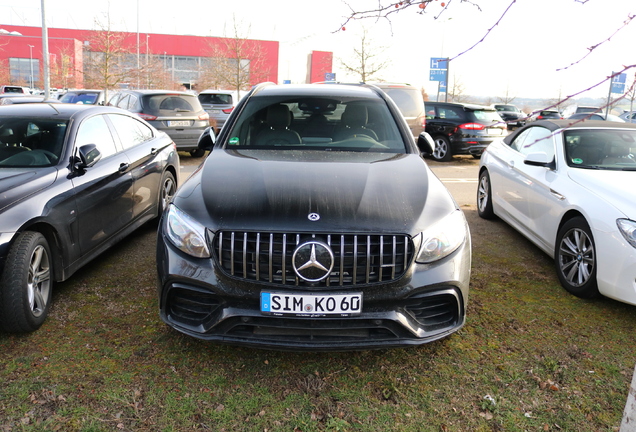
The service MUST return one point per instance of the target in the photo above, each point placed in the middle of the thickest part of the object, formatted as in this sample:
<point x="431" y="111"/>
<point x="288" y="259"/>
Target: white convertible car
<point x="570" y="187"/>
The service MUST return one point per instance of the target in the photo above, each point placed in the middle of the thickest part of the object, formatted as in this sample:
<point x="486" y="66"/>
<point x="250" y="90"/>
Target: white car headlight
<point x="186" y="234"/>
<point x="443" y="238"/>
<point x="628" y="229"/>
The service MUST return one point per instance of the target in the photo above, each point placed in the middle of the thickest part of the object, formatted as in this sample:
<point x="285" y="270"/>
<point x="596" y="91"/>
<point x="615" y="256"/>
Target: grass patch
<point x="530" y="358"/>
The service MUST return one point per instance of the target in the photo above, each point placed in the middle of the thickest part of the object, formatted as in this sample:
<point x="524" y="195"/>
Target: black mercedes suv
<point x="314" y="224"/>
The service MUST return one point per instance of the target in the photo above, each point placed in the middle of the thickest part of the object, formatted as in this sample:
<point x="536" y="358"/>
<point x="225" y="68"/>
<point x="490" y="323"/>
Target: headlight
<point x="186" y="234"/>
<point x="443" y="238"/>
<point x="628" y="229"/>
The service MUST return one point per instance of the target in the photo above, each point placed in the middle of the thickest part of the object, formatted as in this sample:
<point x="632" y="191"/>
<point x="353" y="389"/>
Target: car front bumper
<point x="428" y="303"/>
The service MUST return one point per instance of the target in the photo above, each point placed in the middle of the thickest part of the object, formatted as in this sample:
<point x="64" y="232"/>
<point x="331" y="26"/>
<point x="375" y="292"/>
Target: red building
<point x="181" y="58"/>
<point x="147" y="59"/>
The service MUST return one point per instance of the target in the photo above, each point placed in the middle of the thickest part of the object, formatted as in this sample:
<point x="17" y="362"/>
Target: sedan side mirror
<point x="426" y="144"/>
<point x="207" y="139"/>
<point x="88" y="155"/>
<point x="540" y="159"/>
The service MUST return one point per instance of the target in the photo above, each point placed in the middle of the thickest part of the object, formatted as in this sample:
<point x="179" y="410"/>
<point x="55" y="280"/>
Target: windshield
<point x="31" y="141"/>
<point x="486" y="116"/>
<point x="80" y="98"/>
<point x="314" y="123"/>
<point x="611" y="149"/>
<point x="506" y="108"/>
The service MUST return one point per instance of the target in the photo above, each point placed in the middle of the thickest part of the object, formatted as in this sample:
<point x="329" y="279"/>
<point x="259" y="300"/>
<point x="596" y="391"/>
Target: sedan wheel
<point x="26" y="285"/>
<point x="442" y="152"/>
<point x="168" y="188"/>
<point x="575" y="258"/>
<point x="484" y="196"/>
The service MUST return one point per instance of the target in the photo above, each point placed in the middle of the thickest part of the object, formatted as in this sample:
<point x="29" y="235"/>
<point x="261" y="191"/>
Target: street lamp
<point x="31" y="65"/>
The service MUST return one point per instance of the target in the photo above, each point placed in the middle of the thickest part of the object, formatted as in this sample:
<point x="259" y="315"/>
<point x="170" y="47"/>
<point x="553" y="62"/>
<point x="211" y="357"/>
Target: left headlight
<point x="628" y="229"/>
<point x="443" y="238"/>
<point x="185" y="233"/>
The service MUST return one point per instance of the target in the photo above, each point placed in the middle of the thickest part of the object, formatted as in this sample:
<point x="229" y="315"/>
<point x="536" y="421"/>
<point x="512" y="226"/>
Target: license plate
<point x="311" y="304"/>
<point x="178" y="122"/>
<point x="214" y="111"/>
<point x="494" y="131"/>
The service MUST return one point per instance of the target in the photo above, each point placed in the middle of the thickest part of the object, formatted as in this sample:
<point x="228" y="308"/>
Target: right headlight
<point x="185" y="233"/>
<point x="443" y="238"/>
<point x="628" y="229"/>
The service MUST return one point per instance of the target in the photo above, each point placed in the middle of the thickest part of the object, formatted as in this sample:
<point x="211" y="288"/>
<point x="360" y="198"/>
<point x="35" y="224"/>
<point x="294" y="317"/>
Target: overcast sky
<point x="521" y="56"/>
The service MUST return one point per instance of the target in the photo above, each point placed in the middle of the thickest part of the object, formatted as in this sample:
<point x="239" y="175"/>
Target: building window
<point x="21" y="68"/>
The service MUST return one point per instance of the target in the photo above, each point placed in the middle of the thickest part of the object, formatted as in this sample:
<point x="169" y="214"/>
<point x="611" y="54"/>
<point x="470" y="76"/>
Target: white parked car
<point x="570" y="190"/>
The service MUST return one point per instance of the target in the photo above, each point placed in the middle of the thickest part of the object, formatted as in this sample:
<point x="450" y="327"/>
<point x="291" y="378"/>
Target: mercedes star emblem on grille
<point x="313" y="261"/>
<point x="313" y="217"/>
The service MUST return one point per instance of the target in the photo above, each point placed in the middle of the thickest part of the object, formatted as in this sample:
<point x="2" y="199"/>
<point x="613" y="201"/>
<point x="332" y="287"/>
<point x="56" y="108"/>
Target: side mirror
<point x="539" y="159"/>
<point x="207" y="139"/>
<point x="88" y="155"/>
<point x="426" y="144"/>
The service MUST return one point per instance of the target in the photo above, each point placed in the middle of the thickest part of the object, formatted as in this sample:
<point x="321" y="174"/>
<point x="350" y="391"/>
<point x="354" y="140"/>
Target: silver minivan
<point x="219" y="104"/>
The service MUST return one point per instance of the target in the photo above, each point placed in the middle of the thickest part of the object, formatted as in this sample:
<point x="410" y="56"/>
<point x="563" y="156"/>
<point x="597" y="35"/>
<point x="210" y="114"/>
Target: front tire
<point x="167" y="189"/>
<point x="442" y="151"/>
<point x="575" y="258"/>
<point x="26" y="285"/>
<point x="484" y="196"/>
<point x="197" y="153"/>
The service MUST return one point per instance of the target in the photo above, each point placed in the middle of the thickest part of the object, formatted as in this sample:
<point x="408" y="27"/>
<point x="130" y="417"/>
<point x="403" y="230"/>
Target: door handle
<point x="123" y="167"/>
<point x="154" y="151"/>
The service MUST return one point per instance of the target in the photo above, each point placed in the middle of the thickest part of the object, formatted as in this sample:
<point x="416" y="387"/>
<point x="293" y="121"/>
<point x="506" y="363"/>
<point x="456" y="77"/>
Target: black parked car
<point x="459" y="128"/>
<point x="179" y="114"/>
<point x="74" y="179"/>
<point x="325" y="232"/>
<point x="512" y="115"/>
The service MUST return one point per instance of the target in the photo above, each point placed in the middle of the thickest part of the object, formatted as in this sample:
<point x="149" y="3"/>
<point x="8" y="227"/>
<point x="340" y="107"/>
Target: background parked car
<point x="410" y="102"/>
<point x="87" y="97"/>
<point x="219" y="104"/>
<point x="629" y="116"/>
<point x="597" y="116"/>
<point x="460" y="128"/>
<point x="179" y="114"/>
<point x="546" y="114"/>
<point x="569" y="189"/>
<point x="14" y="89"/>
<point x="512" y="115"/>
<point x="57" y="216"/>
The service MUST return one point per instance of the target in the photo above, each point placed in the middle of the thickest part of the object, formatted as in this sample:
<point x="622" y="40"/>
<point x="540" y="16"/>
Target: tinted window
<point x="486" y="116"/>
<point x="451" y="113"/>
<point x="170" y="104"/>
<point x="130" y="131"/>
<point x="409" y="100"/>
<point x="216" y="99"/>
<point x="312" y="123"/>
<point x="95" y="130"/>
<point x="31" y="141"/>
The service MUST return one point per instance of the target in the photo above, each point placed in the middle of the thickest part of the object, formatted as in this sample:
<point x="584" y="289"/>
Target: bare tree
<point x="367" y="59"/>
<point x="107" y="61"/>
<point x="62" y="71"/>
<point x="456" y="91"/>
<point x="235" y="62"/>
<point x="506" y="98"/>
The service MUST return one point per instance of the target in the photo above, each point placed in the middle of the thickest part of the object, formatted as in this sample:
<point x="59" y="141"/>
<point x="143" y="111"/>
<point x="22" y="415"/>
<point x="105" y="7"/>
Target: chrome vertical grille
<point x="358" y="259"/>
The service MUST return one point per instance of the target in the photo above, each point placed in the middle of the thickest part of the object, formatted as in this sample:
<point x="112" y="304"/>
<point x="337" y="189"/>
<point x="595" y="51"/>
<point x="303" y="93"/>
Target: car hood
<point x="350" y="191"/>
<point x="615" y="187"/>
<point x="19" y="183"/>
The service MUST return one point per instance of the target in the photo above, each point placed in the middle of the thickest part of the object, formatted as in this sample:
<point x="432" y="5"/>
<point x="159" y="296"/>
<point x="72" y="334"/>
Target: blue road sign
<point x="618" y="83"/>
<point x="439" y="63"/>
<point x="438" y="75"/>
<point x="330" y="76"/>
